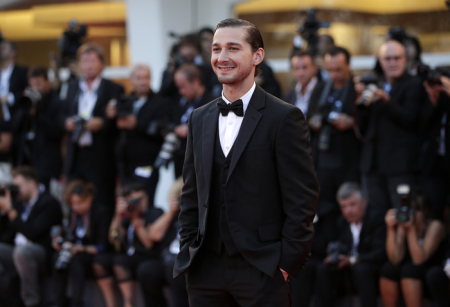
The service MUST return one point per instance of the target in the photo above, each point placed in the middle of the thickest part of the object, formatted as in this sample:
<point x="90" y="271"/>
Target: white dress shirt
<point x="302" y="101"/>
<point x="229" y="125"/>
<point x="86" y="103"/>
<point x="356" y="231"/>
<point x="5" y="76"/>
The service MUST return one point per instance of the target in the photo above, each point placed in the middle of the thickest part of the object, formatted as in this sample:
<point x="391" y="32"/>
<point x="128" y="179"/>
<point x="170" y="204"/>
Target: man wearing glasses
<point x="388" y="124"/>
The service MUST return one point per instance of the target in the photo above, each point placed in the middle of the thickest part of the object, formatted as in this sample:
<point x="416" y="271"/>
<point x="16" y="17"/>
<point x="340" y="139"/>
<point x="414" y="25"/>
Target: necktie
<point x="237" y="107"/>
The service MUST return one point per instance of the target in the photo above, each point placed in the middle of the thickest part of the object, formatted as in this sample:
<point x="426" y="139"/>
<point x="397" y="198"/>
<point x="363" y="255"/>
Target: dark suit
<point x="291" y="97"/>
<point x="365" y="274"/>
<point x="391" y="144"/>
<point x="339" y="163"/>
<point x="269" y="196"/>
<point x="177" y="117"/>
<point x="435" y="166"/>
<point x="95" y="163"/>
<point x="137" y="148"/>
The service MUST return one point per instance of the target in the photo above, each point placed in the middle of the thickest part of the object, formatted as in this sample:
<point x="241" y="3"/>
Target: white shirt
<point x="86" y="103"/>
<point x="4" y="89"/>
<point x="302" y="101"/>
<point x="356" y="231"/>
<point x="229" y="125"/>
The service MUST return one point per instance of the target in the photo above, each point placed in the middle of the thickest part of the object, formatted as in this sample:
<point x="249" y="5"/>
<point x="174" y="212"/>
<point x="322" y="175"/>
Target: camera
<point x="367" y="96"/>
<point x="79" y="128"/>
<point x="171" y="143"/>
<point x="404" y="211"/>
<point x="133" y="205"/>
<point x="124" y="105"/>
<point x="71" y="41"/>
<point x="397" y="33"/>
<point x="30" y="98"/>
<point x="13" y="189"/>
<point x="310" y="28"/>
<point x="432" y="76"/>
<point x="65" y="254"/>
<point x="159" y="127"/>
<point x="334" y="250"/>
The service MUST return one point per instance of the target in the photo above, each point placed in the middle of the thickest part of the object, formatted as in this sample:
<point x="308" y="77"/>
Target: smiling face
<point x="233" y="59"/>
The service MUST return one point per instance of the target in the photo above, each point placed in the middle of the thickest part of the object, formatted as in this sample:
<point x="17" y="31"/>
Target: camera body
<point x="432" y="76"/>
<point x="334" y="250"/>
<point x="133" y="206"/>
<point x="124" y="105"/>
<point x="371" y="82"/>
<point x="13" y="189"/>
<point x="30" y="98"/>
<point x="65" y="254"/>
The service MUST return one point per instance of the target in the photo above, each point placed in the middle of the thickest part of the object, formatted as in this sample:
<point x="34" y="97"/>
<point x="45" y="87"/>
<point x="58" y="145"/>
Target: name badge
<point x="143" y="171"/>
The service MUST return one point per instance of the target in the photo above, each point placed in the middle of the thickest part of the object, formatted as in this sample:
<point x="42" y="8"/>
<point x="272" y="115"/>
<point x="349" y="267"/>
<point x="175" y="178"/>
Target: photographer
<point x="86" y="237"/>
<point x="336" y="149"/>
<point x="138" y="146"/>
<point x="90" y="144"/>
<point x="414" y="243"/>
<point x="130" y="233"/>
<point x="189" y="81"/>
<point x="435" y="154"/>
<point x="27" y="247"/>
<point x="307" y="85"/>
<point x="388" y="124"/>
<point x="156" y="273"/>
<point x="39" y="135"/>
<point x="360" y="251"/>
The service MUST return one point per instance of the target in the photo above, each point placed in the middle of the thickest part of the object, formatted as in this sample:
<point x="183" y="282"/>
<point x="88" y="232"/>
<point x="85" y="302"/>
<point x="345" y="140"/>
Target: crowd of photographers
<point x="379" y="144"/>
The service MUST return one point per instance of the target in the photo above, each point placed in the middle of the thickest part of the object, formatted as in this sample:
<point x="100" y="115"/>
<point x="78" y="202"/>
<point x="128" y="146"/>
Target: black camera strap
<point x="324" y="96"/>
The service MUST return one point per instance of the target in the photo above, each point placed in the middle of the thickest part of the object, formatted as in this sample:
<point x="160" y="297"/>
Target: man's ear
<point x="258" y="56"/>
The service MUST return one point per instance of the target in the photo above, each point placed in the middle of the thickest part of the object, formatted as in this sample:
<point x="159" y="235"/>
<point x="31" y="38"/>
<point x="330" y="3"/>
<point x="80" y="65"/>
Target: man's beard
<point x="233" y="79"/>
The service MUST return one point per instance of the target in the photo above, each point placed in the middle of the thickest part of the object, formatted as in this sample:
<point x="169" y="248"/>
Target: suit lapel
<point x="210" y="122"/>
<point x="98" y="104"/>
<point x="251" y="119"/>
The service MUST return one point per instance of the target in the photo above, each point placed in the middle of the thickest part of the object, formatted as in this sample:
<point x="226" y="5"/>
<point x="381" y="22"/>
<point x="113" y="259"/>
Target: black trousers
<point x="436" y="185"/>
<point x="303" y="287"/>
<point x="363" y="277"/>
<point x="153" y="275"/>
<point x="221" y="280"/>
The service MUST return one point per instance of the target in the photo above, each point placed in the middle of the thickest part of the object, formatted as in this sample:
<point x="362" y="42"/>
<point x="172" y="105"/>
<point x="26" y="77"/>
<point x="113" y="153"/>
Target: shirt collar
<point x="95" y="84"/>
<point x="245" y="99"/>
<point x="312" y="83"/>
<point x="8" y="71"/>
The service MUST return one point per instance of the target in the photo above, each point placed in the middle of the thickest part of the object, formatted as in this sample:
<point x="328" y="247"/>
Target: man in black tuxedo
<point x="27" y="247"/>
<point x="250" y="192"/>
<point x="389" y="127"/>
<point x="362" y="235"/>
<point x="189" y="81"/>
<point x="307" y="86"/>
<point x="90" y="153"/>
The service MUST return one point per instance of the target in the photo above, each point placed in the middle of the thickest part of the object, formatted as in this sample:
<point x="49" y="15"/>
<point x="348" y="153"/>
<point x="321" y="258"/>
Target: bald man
<point x="389" y="127"/>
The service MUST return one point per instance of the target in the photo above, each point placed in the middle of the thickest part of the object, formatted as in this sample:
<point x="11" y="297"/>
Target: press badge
<point x="143" y="171"/>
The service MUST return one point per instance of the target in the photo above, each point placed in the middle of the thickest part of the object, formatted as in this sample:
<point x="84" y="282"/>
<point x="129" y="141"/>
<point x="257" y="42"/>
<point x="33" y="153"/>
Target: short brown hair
<point x="191" y="72"/>
<point x="79" y="187"/>
<point x="27" y="172"/>
<point x="254" y="37"/>
<point x="91" y="47"/>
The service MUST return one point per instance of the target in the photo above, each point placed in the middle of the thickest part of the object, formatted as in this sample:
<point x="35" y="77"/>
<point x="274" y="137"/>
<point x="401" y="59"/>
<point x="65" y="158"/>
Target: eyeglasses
<point x="393" y="58"/>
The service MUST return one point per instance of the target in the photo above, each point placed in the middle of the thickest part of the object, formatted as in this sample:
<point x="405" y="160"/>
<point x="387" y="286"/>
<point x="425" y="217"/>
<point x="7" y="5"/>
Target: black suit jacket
<point x="431" y="127"/>
<point x="350" y="145"/>
<point x="18" y="81"/>
<point x="102" y="158"/>
<point x="372" y="238"/>
<point x="390" y="130"/>
<point x="140" y="148"/>
<point x="45" y="213"/>
<point x="291" y="97"/>
<point x="271" y="190"/>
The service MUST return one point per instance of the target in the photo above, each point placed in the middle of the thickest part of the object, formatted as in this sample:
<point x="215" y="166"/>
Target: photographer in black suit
<point x="189" y="81"/>
<point x="139" y="145"/>
<point x="250" y="192"/>
<point x="435" y="155"/>
<point x="358" y="253"/>
<point x="307" y="85"/>
<point x="90" y="145"/>
<point x="38" y="132"/>
<point x="389" y="128"/>
<point x="27" y="249"/>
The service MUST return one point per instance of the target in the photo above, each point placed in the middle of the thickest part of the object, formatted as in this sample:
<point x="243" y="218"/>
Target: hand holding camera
<point x="127" y="123"/>
<point x="95" y="124"/>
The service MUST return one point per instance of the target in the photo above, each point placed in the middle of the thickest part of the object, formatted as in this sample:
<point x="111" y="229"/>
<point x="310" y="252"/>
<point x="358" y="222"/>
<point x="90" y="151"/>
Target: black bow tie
<point x="237" y="107"/>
